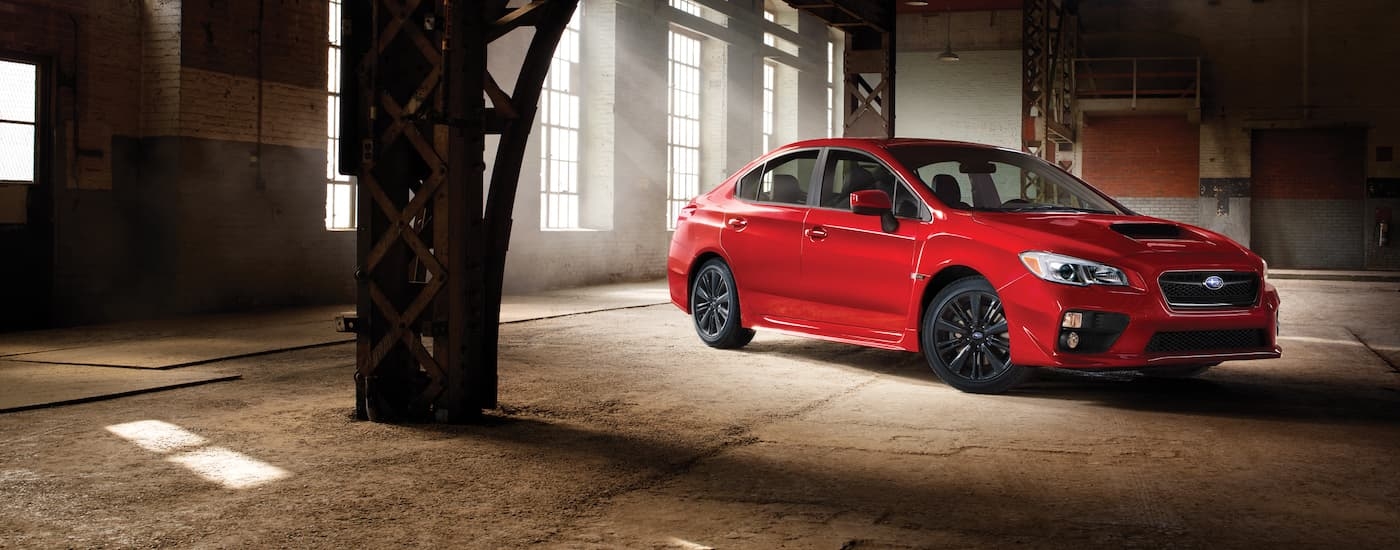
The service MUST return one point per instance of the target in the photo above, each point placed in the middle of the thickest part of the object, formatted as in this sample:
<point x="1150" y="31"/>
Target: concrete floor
<point x="619" y="429"/>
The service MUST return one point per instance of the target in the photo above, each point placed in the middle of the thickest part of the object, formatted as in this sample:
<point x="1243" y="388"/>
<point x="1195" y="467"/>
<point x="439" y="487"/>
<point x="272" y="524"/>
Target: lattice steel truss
<point x="1050" y="43"/>
<point x="869" y="62"/>
<point x="432" y="235"/>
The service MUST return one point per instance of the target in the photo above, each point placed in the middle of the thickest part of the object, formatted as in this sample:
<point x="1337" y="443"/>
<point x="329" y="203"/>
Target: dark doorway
<point x="26" y="221"/>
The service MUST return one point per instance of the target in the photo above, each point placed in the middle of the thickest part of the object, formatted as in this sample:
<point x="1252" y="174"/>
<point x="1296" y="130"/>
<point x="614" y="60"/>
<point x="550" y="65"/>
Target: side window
<point x="907" y="204"/>
<point x="848" y="172"/>
<point x="948" y="182"/>
<point x="785" y="179"/>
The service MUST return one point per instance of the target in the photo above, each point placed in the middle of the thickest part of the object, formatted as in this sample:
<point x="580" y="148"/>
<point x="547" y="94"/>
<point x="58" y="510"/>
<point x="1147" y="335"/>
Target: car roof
<point x="886" y="143"/>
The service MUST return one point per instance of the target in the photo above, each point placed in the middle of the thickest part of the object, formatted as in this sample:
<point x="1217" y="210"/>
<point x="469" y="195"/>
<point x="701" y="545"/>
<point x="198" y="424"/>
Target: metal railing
<point x="1138" y="77"/>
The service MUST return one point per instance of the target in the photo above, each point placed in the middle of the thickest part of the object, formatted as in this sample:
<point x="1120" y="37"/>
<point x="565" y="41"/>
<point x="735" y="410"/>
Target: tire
<point x="1176" y="371"/>
<point x="714" y="307"/>
<point x="965" y="338"/>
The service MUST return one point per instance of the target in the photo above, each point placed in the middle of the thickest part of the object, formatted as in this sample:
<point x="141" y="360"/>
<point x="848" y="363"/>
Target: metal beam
<point x="431" y="249"/>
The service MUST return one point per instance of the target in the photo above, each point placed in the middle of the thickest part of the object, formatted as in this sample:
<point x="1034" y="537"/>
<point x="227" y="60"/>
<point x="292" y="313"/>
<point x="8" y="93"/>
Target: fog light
<point x="1072" y="340"/>
<point x="1073" y="319"/>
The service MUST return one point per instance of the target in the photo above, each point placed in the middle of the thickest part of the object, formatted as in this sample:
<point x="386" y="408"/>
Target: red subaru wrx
<point x="988" y="261"/>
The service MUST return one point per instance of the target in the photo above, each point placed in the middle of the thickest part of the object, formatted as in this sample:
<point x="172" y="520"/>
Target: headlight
<point x="1072" y="271"/>
<point x="1266" y="270"/>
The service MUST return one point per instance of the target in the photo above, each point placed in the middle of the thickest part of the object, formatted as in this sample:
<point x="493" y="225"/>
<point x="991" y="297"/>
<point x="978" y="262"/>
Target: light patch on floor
<point x="220" y="465"/>
<point x="157" y="436"/>
<point x="228" y="468"/>
<point x="687" y="545"/>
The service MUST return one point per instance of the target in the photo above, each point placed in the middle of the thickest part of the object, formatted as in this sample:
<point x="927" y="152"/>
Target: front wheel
<point x="714" y="305"/>
<point x="966" y="338"/>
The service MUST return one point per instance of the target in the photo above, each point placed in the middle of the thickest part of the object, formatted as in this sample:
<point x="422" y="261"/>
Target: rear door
<point x="762" y="233"/>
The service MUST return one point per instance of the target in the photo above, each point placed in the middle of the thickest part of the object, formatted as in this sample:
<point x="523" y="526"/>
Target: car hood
<point x="1140" y="242"/>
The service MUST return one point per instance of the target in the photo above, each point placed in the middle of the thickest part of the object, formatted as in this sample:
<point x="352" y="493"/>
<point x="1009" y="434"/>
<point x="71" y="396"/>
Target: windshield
<point x="997" y="180"/>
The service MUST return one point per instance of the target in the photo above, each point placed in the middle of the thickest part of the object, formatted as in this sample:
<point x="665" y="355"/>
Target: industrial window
<point x="770" y="74"/>
<point x="559" y="136"/>
<point x="340" y="189"/>
<point x="683" y="118"/>
<point x="688" y="6"/>
<point x="768" y="38"/>
<point x="19" y="115"/>
<point x="831" y="88"/>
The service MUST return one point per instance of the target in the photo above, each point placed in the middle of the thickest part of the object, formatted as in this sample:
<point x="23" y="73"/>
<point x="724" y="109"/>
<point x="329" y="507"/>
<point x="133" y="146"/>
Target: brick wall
<point x="1141" y="156"/>
<point x="1185" y="210"/>
<point x="250" y="153"/>
<point x="160" y="68"/>
<point x="170" y="194"/>
<point x="977" y="99"/>
<point x="625" y="139"/>
<point x="1309" y="233"/>
<point x="1261" y="73"/>
<point x="1308" y="189"/>
<point x="1309" y="164"/>
<point x="225" y="36"/>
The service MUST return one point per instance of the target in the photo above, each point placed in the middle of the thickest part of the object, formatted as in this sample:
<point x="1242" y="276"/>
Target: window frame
<point x="762" y="168"/>
<point x="925" y="209"/>
<point x="38" y="167"/>
<point x="334" y="180"/>
<point x="675" y="203"/>
<point x="563" y="190"/>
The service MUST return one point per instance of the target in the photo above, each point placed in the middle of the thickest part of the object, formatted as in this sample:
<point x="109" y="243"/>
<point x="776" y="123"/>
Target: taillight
<point x="687" y="211"/>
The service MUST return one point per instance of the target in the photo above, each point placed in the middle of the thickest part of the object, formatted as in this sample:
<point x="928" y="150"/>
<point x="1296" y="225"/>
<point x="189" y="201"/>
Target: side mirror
<point x="870" y="202"/>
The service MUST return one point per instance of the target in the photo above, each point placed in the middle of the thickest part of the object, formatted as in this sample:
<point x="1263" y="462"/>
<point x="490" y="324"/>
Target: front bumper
<point x="1035" y="308"/>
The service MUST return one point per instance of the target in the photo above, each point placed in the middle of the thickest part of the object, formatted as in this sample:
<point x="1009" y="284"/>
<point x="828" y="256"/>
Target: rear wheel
<point x="965" y="338"/>
<point x="714" y="306"/>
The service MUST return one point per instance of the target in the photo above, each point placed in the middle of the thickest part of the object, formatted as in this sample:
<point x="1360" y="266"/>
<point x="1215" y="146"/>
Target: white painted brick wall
<point x="976" y="99"/>
<point x="1309" y="233"/>
<point x="1185" y="210"/>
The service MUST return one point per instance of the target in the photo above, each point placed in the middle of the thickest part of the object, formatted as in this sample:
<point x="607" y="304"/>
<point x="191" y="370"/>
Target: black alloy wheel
<point x="714" y="306"/>
<point x="966" y="338"/>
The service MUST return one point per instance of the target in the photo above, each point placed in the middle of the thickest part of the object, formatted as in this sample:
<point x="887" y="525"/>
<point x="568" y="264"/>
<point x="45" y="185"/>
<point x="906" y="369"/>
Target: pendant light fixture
<point x="948" y="54"/>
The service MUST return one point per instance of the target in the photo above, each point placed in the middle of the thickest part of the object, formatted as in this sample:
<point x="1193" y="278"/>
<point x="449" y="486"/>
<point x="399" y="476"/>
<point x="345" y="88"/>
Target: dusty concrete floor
<point x="619" y="429"/>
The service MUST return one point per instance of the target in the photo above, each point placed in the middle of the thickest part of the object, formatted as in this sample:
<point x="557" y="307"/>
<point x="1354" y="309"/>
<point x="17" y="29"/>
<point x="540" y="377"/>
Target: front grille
<point x="1187" y="289"/>
<point x="1207" y="340"/>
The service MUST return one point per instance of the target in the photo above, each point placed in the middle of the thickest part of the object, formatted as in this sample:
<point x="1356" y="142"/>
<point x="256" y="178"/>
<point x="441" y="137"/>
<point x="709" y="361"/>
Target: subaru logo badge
<point x="1214" y="282"/>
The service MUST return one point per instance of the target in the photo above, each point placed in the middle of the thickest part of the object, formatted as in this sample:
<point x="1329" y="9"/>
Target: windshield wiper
<point x="1056" y="207"/>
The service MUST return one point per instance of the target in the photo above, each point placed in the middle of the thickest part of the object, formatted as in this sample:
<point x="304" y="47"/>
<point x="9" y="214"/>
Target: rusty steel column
<point x="1049" y="45"/>
<point x="419" y="103"/>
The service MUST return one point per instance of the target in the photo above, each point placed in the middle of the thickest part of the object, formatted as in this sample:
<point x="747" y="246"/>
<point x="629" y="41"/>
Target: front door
<point x="26" y="234"/>
<point x="857" y="275"/>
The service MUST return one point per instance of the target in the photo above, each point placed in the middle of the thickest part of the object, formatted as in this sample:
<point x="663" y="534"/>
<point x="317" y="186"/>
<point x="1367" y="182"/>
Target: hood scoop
<point x="1144" y="231"/>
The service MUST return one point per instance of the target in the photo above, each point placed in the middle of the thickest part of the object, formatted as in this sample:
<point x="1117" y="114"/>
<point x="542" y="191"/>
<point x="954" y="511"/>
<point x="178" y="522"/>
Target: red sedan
<point x="988" y="261"/>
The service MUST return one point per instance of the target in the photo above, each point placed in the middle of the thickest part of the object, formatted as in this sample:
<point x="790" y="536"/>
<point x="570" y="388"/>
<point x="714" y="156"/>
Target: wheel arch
<point x="694" y="268"/>
<point x="945" y="276"/>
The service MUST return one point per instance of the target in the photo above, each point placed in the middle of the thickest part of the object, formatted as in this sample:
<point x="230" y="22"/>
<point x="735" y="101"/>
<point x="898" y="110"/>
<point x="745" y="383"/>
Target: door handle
<point x="817" y="233"/>
<point x="738" y="223"/>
